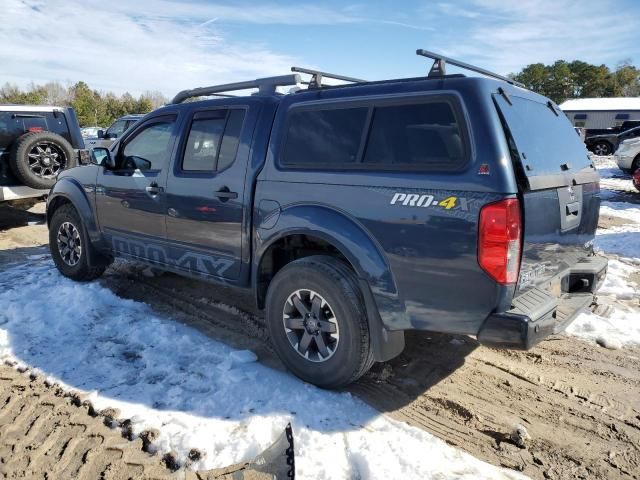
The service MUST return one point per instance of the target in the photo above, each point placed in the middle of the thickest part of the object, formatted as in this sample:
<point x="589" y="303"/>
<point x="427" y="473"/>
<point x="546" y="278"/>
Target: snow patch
<point x="198" y="392"/>
<point x="622" y="240"/>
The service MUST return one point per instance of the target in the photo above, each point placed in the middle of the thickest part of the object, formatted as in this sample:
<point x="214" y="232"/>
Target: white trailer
<point x="601" y="113"/>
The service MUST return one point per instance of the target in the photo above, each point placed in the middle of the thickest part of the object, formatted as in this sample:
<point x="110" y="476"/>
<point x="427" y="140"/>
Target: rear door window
<point x="213" y="140"/>
<point x="545" y="140"/>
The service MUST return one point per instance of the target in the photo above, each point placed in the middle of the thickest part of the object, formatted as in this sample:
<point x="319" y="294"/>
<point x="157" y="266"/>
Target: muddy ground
<point x="579" y="402"/>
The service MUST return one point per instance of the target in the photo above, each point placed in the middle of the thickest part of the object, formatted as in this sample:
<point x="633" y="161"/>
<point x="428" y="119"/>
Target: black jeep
<point x="36" y="144"/>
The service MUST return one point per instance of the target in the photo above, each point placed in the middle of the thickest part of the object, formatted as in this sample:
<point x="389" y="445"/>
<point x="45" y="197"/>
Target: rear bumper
<point x="536" y="314"/>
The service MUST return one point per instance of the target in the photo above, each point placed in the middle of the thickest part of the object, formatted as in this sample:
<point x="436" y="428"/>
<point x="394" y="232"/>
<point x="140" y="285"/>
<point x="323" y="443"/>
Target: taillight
<point x="499" y="240"/>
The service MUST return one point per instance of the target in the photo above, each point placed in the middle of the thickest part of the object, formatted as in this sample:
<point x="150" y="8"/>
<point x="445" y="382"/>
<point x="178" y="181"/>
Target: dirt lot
<point x="579" y="402"/>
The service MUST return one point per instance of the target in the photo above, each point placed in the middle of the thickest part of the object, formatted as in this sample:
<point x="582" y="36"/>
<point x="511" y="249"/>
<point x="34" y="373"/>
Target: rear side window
<point x="213" y="140"/>
<point x="329" y="137"/>
<point x="416" y="135"/>
<point x="10" y="129"/>
<point x="384" y="135"/>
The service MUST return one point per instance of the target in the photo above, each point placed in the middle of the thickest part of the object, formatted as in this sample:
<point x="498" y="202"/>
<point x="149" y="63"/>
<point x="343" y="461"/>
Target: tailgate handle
<point x="573" y="208"/>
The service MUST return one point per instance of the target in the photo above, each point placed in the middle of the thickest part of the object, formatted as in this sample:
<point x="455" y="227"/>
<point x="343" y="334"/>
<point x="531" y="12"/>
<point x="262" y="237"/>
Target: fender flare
<point x="364" y="254"/>
<point x="71" y="190"/>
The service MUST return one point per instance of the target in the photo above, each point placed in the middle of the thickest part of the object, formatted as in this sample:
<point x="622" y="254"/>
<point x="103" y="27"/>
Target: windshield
<point x="631" y="132"/>
<point x="543" y="136"/>
<point x="117" y="128"/>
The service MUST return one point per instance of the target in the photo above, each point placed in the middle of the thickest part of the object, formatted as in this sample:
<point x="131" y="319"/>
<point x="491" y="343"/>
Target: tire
<point x="66" y="223"/>
<point x="602" y="148"/>
<point x="38" y="157"/>
<point x="335" y="284"/>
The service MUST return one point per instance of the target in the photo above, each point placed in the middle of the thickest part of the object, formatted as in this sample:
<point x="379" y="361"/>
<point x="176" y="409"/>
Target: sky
<point x="170" y="45"/>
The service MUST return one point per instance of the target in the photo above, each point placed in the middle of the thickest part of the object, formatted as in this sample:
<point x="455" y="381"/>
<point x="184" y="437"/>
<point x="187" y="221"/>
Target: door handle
<point x="573" y="209"/>
<point x="225" y="194"/>
<point x="153" y="189"/>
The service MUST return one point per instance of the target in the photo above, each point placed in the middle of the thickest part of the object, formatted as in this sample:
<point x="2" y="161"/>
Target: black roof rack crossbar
<point x="316" y="76"/>
<point x="265" y="86"/>
<point x="439" y="67"/>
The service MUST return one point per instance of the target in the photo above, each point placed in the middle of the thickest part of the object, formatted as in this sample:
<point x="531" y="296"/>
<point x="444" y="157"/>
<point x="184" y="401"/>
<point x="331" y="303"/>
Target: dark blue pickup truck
<point x="352" y="213"/>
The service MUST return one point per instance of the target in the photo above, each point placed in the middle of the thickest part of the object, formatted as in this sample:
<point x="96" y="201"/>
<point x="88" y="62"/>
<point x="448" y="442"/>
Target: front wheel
<point x="317" y="322"/>
<point x="70" y="246"/>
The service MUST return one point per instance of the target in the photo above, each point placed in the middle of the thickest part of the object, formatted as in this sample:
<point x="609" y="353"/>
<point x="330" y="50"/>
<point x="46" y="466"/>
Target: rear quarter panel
<point x="435" y="282"/>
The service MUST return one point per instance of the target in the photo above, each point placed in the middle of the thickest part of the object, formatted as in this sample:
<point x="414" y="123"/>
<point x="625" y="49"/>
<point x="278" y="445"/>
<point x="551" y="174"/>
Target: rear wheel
<point x="38" y="157"/>
<point x="70" y="246"/>
<point x="317" y="322"/>
<point x="602" y="148"/>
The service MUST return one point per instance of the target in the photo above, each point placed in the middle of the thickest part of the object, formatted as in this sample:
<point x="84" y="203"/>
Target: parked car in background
<point x="36" y="143"/>
<point x="90" y="132"/>
<point x="352" y="213"/>
<point x="626" y="125"/>
<point x="115" y="131"/>
<point x="582" y="133"/>
<point x="607" y="144"/>
<point x="636" y="179"/>
<point x="627" y="155"/>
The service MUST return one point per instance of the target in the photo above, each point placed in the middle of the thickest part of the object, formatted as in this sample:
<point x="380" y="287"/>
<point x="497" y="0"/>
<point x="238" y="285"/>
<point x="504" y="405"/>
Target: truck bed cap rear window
<point x="546" y="142"/>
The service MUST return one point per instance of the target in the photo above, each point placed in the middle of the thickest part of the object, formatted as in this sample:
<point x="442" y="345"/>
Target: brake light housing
<point x="500" y="240"/>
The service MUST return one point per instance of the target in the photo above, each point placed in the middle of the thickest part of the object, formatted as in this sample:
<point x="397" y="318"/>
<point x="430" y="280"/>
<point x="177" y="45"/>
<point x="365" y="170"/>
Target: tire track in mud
<point x="48" y="434"/>
<point x="579" y="402"/>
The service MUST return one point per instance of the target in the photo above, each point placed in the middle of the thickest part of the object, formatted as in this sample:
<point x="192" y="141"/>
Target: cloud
<point x="144" y="45"/>
<point x="506" y="36"/>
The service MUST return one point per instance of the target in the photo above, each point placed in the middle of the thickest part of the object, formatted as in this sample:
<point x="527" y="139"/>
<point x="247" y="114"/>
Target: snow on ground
<point x="621" y="243"/>
<point x="623" y="240"/>
<point x="200" y="393"/>
<point x="612" y="179"/>
<point x="622" y="325"/>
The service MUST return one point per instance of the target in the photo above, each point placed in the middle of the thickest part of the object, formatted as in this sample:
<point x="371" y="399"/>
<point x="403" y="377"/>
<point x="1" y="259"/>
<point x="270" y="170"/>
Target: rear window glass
<point x="324" y="137"/>
<point x="545" y="140"/>
<point x="417" y="135"/>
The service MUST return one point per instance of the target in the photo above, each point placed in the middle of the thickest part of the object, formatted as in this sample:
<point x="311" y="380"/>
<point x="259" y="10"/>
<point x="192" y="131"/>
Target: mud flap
<point x="275" y="463"/>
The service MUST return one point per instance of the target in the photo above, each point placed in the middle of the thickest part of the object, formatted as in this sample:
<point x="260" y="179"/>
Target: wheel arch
<point x="69" y="191"/>
<point x="306" y="230"/>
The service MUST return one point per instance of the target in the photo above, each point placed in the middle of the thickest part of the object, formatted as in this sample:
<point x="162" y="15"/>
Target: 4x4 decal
<point x="423" y="201"/>
<point x="197" y="263"/>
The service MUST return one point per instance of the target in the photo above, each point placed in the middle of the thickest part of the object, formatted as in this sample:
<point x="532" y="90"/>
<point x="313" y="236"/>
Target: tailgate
<point x="559" y="191"/>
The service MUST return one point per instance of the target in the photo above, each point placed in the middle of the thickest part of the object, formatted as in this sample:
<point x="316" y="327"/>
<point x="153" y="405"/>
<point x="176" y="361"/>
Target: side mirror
<point x="102" y="156"/>
<point x="136" y="163"/>
<point x="100" y="134"/>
